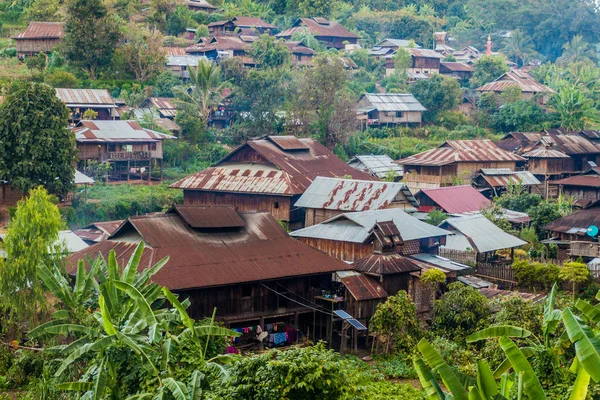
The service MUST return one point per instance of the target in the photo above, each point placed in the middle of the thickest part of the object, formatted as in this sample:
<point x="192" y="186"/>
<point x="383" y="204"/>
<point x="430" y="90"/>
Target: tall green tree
<point x="204" y="92"/>
<point x="91" y="35"/>
<point x="438" y="93"/>
<point x="31" y="241"/>
<point x="575" y="50"/>
<point x="518" y="47"/>
<point x="36" y="148"/>
<point x="269" y="52"/>
<point x="488" y="68"/>
<point x="142" y="53"/>
<point x="574" y="110"/>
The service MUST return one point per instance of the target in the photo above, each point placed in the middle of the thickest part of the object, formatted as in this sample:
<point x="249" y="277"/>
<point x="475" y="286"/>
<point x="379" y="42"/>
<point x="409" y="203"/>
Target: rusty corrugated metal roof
<point x="545" y="153"/>
<point x="592" y="181"/>
<point x="424" y="53"/>
<point x="456" y="199"/>
<point x="282" y="172"/>
<point x="461" y="151"/>
<point x="567" y="143"/>
<point x="354" y="195"/>
<point x="42" y="30"/>
<point x="98" y="231"/>
<point x="85" y="97"/>
<point x="322" y="27"/>
<point x="513" y="78"/>
<point x="500" y="180"/>
<point x="261" y="250"/>
<point x="209" y="217"/>
<point x="165" y="106"/>
<point x="362" y="287"/>
<point x="200" y="4"/>
<point x="457" y="66"/>
<point x="115" y="131"/>
<point x="174" y="51"/>
<point x="385" y="264"/>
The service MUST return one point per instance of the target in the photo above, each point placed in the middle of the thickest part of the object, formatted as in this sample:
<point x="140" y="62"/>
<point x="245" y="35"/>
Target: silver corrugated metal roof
<point x="378" y="165"/>
<point x="394" y="102"/>
<point x="497" y="171"/>
<point x="353" y="195"/>
<point x="395" y="43"/>
<point x="356" y="227"/>
<point x="173" y="61"/>
<point x="442" y="263"/>
<point x="81" y="179"/>
<point x="85" y="97"/>
<point x="102" y="131"/>
<point x="481" y="234"/>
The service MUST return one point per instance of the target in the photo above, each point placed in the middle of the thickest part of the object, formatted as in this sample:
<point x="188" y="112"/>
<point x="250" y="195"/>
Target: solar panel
<point x="342" y="314"/>
<point x="355" y="323"/>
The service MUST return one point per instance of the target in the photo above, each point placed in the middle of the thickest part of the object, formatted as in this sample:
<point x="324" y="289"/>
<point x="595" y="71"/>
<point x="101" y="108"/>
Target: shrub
<point x="535" y="275"/>
<point x="461" y="311"/>
<point x="396" y="319"/>
<point x="61" y="79"/>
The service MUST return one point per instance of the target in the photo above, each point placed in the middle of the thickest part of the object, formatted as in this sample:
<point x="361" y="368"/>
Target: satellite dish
<point x="592" y="230"/>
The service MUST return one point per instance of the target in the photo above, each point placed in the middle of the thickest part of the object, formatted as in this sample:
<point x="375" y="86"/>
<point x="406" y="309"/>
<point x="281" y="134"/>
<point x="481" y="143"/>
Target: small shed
<point x="456" y="69"/>
<point x="478" y="234"/>
<point x="380" y="166"/>
<point x="495" y="180"/>
<point x="389" y="109"/>
<point x="363" y="294"/>
<point x="201" y="5"/>
<point x="331" y="33"/>
<point x="39" y="37"/>
<point x="328" y="197"/>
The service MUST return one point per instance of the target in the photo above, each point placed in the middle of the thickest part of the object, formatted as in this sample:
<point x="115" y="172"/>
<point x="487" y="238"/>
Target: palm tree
<point x="576" y="50"/>
<point x="518" y="47"/>
<point x="204" y="91"/>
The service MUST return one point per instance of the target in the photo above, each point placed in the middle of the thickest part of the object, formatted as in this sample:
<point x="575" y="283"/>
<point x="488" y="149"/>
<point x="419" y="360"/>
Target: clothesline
<point x="297" y="302"/>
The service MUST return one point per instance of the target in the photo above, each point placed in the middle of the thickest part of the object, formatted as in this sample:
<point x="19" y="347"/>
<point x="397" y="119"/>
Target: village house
<point x="179" y="64"/>
<point x="455" y="162"/>
<point x="224" y="46"/>
<point x="424" y="62"/>
<point x="81" y="100"/>
<point x="530" y="88"/>
<point x="39" y="37"/>
<point x="132" y="151"/>
<point x="9" y="196"/>
<point x="583" y="188"/>
<point x="452" y="200"/>
<point x="569" y="233"/>
<point x="243" y="264"/>
<point x="457" y="70"/>
<point x="201" y="5"/>
<point x="244" y="25"/>
<point x="552" y="156"/>
<point x="302" y="55"/>
<point x="389" y="46"/>
<point x="269" y="173"/>
<point x="467" y="55"/>
<point x="348" y="236"/>
<point x="477" y="234"/>
<point x="389" y="109"/>
<point x="494" y="181"/>
<point x="331" y="33"/>
<point x="380" y="166"/>
<point x="441" y="45"/>
<point x="327" y="197"/>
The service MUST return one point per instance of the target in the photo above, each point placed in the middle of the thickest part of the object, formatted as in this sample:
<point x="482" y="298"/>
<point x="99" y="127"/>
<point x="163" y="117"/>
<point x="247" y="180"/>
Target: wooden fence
<point x="499" y="272"/>
<point x="464" y="257"/>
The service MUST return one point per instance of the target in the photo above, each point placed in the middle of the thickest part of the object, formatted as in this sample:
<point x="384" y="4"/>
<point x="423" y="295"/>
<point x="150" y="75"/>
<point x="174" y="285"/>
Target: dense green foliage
<point x="396" y="320"/>
<point x="36" y="148"/>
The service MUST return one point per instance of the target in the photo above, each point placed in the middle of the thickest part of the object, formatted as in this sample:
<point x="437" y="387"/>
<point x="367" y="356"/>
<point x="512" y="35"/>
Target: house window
<point x="152" y="146"/>
<point x="276" y="205"/>
<point x="129" y="148"/>
<point x="398" y="114"/>
<point x="111" y="147"/>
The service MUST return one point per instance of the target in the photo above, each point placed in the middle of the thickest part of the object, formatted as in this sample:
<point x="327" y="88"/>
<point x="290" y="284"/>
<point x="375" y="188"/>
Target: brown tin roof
<point x="385" y="264"/>
<point x="362" y="287"/>
<point x="518" y="78"/>
<point x="461" y="151"/>
<point x="319" y="27"/>
<point x="42" y="30"/>
<point x="283" y="172"/>
<point x="199" y="258"/>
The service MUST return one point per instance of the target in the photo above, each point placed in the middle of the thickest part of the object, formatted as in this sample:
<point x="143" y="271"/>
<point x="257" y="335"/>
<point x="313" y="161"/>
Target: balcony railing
<point x="126" y="155"/>
<point x="585" y="249"/>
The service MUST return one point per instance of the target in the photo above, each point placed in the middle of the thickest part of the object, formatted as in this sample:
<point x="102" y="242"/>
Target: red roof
<point x="211" y="256"/>
<point x="282" y="165"/>
<point x="456" y="199"/>
<point x="461" y="151"/>
<point x="43" y="30"/>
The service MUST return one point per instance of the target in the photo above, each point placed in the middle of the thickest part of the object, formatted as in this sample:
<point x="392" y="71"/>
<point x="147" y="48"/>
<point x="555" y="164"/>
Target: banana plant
<point x="483" y="387"/>
<point x="179" y="390"/>
<point x="129" y="322"/>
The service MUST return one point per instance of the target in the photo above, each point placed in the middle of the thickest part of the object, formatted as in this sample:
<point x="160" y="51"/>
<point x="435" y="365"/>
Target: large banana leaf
<point x="146" y="274"/>
<point x="580" y="387"/>
<point x="590" y="312"/>
<point x="177" y="389"/>
<point x="100" y="384"/>
<point x="185" y="318"/>
<point x="41" y="329"/>
<point x="505" y="365"/>
<point x="132" y="266"/>
<point x="437" y="363"/>
<point x="498" y="331"/>
<point x="143" y="307"/>
<point x="148" y="364"/>
<point x="430" y="386"/>
<point x="54" y="285"/>
<point x="65" y="329"/>
<point x="531" y="384"/>
<point x="586" y="344"/>
<point x="195" y="386"/>
<point x="212" y="330"/>
<point x="552" y="316"/>
<point x="486" y="381"/>
<point x="109" y="328"/>
<point x="75" y="386"/>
